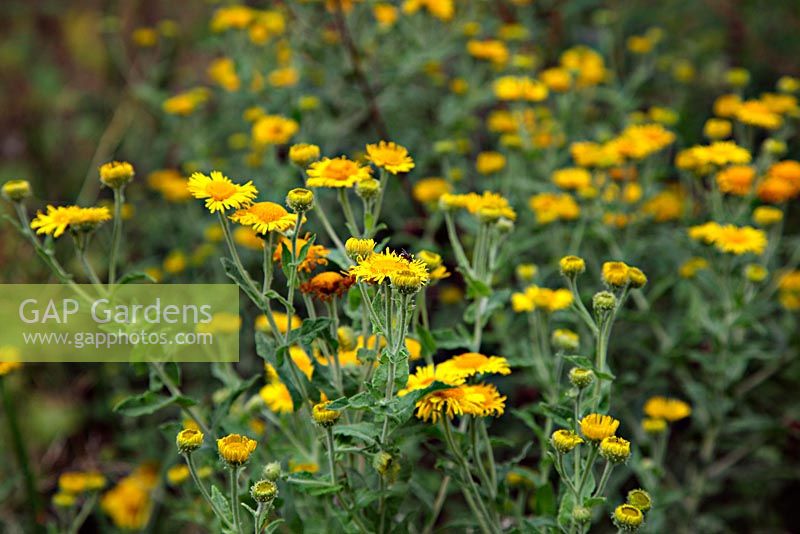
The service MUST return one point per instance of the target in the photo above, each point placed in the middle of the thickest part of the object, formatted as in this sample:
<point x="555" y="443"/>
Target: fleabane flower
<point x="378" y="267"/>
<point x="336" y="173"/>
<point x="236" y="449"/>
<point x="265" y="217"/>
<point x="390" y="156"/>
<point x="472" y="363"/>
<point x="219" y="192"/>
<point x="597" y="427"/>
<point x="57" y="219"/>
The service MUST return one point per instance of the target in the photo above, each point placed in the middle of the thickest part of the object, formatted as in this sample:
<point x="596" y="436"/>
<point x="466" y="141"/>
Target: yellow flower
<point x="281" y="321"/>
<point x="385" y="14"/>
<point x="756" y="113"/>
<point x="303" y="467"/>
<point x="377" y="267"/>
<point x="223" y="72"/>
<point x="283" y="77"/>
<point x="550" y="207"/>
<point x="429" y="190"/>
<point x="706" y="232"/>
<point x="358" y="248"/>
<point x="323" y="416"/>
<point x="736" y="180"/>
<point x="640" y="499"/>
<point x="265" y="217"/>
<point x="277" y="397"/>
<point x="220" y="192"/>
<point x="451" y="402"/>
<point x="116" y="173"/>
<point x="597" y="427"/>
<point x="441" y="9"/>
<point x="665" y="206"/>
<point x="726" y="105"/>
<point x="64" y="500"/>
<point x="556" y="79"/>
<point x="273" y="130"/>
<point x="690" y="267"/>
<point x="639" y="44"/>
<point x="390" y="156"/>
<point x="303" y="154"/>
<point x="628" y="517"/>
<point x="189" y="440"/>
<point x="316" y="255"/>
<point x="232" y="17"/>
<point x="175" y="262"/>
<point x="58" y="219"/>
<point x="668" y="409"/>
<point x="426" y="375"/>
<point x="767" y="215"/>
<point x="586" y="64"/>
<point x="755" y="273"/>
<point x="654" y="425"/>
<point x="336" y="172"/>
<point x="616" y="273"/>
<point x="565" y="440"/>
<point x="16" y="190"/>
<point x="235" y="448"/>
<point x="487" y="400"/>
<point x="716" y="129"/>
<point x="488" y="50"/>
<point x="490" y="162"/>
<point x="178" y="474"/>
<point x="129" y="503"/>
<point x="520" y="88"/>
<point x="248" y="238"/>
<point x="75" y="482"/>
<point x="740" y="240"/>
<point x="574" y="178"/>
<point x="614" y="449"/>
<point x="472" y="363"/>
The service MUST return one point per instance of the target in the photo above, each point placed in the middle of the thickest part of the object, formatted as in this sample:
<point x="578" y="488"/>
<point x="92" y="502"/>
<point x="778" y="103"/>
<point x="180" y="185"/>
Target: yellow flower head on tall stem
<point x="378" y="267"/>
<point x="426" y="375"/>
<point x="236" y="449"/>
<point x="451" y="402"/>
<point x="219" y="192"/>
<point x="597" y="427"/>
<point x="277" y="397"/>
<point x="740" y="240"/>
<point x="472" y="363"/>
<point x="273" y="130"/>
<point x="265" y="217"/>
<point x="336" y="173"/>
<point x="666" y="408"/>
<point x="390" y="156"/>
<point x="487" y="399"/>
<point x="57" y="219"/>
<point x="316" y="255"/>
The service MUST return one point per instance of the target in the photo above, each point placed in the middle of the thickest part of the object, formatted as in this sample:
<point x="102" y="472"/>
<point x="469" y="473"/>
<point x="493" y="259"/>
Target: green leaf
<point x="476" y="288"/>
<point x="221" y="503"/>
<point x="427" y="341"/>
<point x="129" y="278"/>
<point x="272" y="527"/>
<point x="306" y="483"/>
<point x="545" y="500"/>
<point x="366" y="432"/>
<point x="149" y="402"/>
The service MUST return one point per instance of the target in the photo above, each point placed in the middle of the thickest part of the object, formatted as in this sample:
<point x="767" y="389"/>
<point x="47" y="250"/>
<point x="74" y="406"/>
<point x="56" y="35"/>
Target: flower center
<point x="220" y="190"/>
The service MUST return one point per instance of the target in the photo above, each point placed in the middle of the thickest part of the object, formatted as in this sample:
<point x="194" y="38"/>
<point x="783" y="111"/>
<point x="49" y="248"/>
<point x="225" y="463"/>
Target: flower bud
<point x="359" y="248"/>
<point x="640" y="499"/>
<point x="272" y="471"/>
<point x="636" y="277"/>
<point x="264" y="491"/>
<point x="323" y="416"/>
<point x="386" y="465"/>
<point x="16" y="190"/>
<point x="615" y="274"/>
<point x="755" y="273"/>
<point x="564" y="339"/>
<point x="604" y="301"/>
<point x="526" y="271"/>
<point x="565" y="440"/>
<point x="628" y="518"/>
<point x="346" y="337"/>
<point x="300" y="200"/>
<point x="774" y="147"/>
<point x="581" y="514"/>
<point x="115" y="174"/>
<point x="407" y="282"/>
<point x="368" y="189"/>
<point x="431" y="260"/>
<point x="572" y="266"/>
<point x="653" y="425"/>
<point x="303" y="154"/>
<point x="189" y="440"/>
<point x="615" y="449"/>
<point x="503" y="225"/>
<point x="580" y="377"/>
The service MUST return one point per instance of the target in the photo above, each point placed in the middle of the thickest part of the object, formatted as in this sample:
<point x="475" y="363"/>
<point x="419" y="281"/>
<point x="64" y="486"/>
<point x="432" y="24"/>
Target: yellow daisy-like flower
<point x="58" y="219"/>
<point x="565" y="440"/>
<point x="429" y="190"/>
<point x="378" y="267"/>
<point x="336" y="172"/>
<point x="451" y="402"/>
<point x="756" y="113"/>
<point x="277" y="397"/>
<point x="281" y="321"/>
<point x="265" y="217"/>
<point x="736" y="180"/>
<point x="615" y="273"/>
<point x="236" y="449"/>
<point x="705" y="232"/>
<point x="666" y="408"/>
<point x="472" y="363"/>
<point x="627" y="517"/>
<point x="740" y="240"/>
<point x="274" y="130"/>
<point x="426" y="375"/>
<point x="487" y="399"/>
<point x="315" y="257"/>
<point x="550" y="207"/>
<point x="75" y="482"/>
<point x="219" y="192"/>
<point x="390" y="156"/>
<point x="597" y="427"/>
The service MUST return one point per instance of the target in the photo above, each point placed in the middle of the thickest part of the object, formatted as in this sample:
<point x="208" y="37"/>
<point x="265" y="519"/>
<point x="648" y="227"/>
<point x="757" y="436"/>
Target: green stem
<point x="175" y="391"/>
<point x="234" y="478"/>
<point x="329" y="230"/>
<point x="193" y="472"/>
<point x="344" y="201"/>
<point x="116" y="234"/>
<point x="293" y="275"/>
<point x="331" y="453"/>
<point x="83" y="515"/>
<point x="604" y="478"/>
<point x="34" y="504"/>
